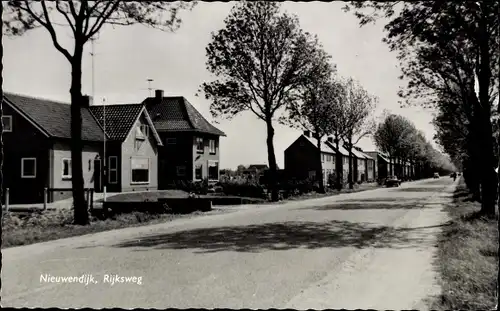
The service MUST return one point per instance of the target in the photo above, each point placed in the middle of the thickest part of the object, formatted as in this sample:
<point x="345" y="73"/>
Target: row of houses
<point x="301" y="161"/>
<point x="127" y="147"/>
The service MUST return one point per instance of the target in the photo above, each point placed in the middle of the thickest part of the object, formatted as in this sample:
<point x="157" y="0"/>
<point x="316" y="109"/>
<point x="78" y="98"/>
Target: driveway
<point x="368" y="250"/>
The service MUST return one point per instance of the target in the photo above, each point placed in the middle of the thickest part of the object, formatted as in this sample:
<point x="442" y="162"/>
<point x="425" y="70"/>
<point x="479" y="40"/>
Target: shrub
<point x="198" y="187"/>
<point x="243" y="189"/>
<point x="296" y="187"/>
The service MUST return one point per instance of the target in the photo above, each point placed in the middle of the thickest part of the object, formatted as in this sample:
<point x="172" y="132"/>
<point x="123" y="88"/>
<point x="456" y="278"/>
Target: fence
<point x="89" y="197"/>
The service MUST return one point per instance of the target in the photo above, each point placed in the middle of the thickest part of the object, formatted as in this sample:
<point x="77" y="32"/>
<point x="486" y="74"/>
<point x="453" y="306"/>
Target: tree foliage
<point x="85" y="19"/>
<point x="260" y="60"/>
<point x="444" y="49"/>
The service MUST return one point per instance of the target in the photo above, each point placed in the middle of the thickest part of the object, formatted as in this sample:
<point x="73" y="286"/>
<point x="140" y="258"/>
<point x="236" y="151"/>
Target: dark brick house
<point x="37" y="152"/>
<point x="190" y="149"/>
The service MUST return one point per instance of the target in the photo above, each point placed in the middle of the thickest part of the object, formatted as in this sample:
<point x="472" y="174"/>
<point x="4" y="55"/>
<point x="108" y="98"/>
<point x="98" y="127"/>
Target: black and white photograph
<point x="250" y="154"/>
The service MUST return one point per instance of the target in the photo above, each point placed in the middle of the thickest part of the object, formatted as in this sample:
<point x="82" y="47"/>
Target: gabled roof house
<point x="37" y="135"/>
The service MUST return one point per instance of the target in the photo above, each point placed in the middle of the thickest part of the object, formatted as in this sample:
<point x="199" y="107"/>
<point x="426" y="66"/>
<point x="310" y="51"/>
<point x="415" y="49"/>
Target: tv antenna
<point x="93" y="54"/>
<point x="150" y="89"/>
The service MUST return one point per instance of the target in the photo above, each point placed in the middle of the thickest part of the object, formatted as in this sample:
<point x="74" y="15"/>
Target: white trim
<point x="151" y="126"/>
<point x="208" y="170"/>
<point x="62" y="170"/>
<point x="149" y="171"/>
<point x="196" y="144"/>
<point x="10" y="122"/>
<point x="22" y="168"/>
<point x="210" y="147"/>
<point x="19" y="111"/>
<point x="112" y="169"/>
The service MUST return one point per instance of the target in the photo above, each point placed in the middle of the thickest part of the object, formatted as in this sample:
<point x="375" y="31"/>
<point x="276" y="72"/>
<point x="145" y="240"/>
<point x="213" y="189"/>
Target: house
<point x="365" y="163"/>
<point x="190" y="150"/>
<point x="381" y="164"/>
<point x="132" y="145"/>
<point x="37" y="154"/>
<point x="301" y="158"/>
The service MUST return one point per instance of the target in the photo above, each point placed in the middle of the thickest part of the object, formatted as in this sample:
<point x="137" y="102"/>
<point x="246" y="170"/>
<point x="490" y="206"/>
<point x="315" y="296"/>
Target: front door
<point x="97" y="175"/>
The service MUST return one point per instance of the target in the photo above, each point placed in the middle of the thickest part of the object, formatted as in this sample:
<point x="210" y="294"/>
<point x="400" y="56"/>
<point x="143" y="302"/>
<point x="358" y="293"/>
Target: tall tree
<point x="85" y="19"/>
<point x="313" y="110"/>
<point x="359" y="107"/>
<point x="1" y="126"/>
<point x="388" y="135"/>
<point x="261" y="57"/>
<point x="442" y="45"/>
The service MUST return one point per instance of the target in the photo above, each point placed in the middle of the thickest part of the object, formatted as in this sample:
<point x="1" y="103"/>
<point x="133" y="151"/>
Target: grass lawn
<point x="468" y="258"/>
<point x="53" y="225"/>
<point x="331" y="192"/>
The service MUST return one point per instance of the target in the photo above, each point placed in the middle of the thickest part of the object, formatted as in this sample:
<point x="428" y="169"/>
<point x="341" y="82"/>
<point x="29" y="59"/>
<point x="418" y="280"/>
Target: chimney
<point x="330" y="139"/>
<point x="159" y="94"/>
<point x="87" y="101"/>
<point x="307" y="133"/>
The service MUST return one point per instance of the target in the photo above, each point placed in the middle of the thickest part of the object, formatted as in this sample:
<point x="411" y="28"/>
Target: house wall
<point x="301" y="159"/>
<point x="179" y="152"/>
<point x="62" y="150"/>
<point x="370" y="169"/>
<point x="148" y="149"/>
<point x="204" y="157"/>
<point x="25" y="141"/>
<point x="361" y="169"/>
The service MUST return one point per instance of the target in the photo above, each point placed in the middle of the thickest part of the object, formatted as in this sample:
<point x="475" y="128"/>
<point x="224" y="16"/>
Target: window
<point x="66" y="168"/>
<point x="213" y="170"/>
<point x="171" y="141"/>
<point x="200" y="146"/>
<point x="141" y="132"/>
<point x="113" y="169"/>
<point x="198" y="172"/>
<point x="181" y="171"/>
<point x="28" y="167"/>
<point x="7" y="123"/>
<point x="90" y="165"/>
<point x="322" y="158"/>
<point x="213" y="147"/>
<point x="140" y="170"/>
<point x="328" y="158"/>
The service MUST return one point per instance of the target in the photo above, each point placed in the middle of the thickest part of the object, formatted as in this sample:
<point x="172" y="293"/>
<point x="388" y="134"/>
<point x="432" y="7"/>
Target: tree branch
<point x="58" y="7"/>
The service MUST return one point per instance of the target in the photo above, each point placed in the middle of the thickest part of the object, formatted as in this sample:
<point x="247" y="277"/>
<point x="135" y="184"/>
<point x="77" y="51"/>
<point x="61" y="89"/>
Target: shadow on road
<point x="362" y="205"/>
<point x="286" y="236"/>
<point x="421" y="189"/>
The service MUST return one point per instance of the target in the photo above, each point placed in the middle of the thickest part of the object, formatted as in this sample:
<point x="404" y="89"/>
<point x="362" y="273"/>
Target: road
<point x="367" y="250"/>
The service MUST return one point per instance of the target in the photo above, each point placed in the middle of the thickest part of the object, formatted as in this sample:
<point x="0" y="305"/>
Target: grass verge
<point x="467" y="258"/>
<point x="53" y="225"/>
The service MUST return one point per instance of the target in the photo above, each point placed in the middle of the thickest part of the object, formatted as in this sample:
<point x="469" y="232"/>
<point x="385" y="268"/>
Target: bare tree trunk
<point x="319" y="172"/>
<point x="273" y="184"/>
<point x="351" y="177"/>
<point x="1" y="123"/>
<point x="339" y="165"/>
<point x="81" y="216"/>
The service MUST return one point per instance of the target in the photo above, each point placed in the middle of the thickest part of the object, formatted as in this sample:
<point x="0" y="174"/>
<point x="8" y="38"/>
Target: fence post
<point x="44" y="199"/>
<point x="7" y="199"/>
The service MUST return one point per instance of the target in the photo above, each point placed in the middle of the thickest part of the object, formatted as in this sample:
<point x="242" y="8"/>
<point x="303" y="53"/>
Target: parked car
<point x="436" y="175"/>
<point x="392" y="181"/>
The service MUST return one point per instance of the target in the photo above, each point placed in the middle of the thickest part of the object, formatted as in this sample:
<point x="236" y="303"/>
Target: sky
<point x="126" y="56"/>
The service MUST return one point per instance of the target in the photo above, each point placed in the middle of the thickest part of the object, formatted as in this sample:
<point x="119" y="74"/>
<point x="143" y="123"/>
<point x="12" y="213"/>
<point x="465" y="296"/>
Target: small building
<point x="381" y="164"/>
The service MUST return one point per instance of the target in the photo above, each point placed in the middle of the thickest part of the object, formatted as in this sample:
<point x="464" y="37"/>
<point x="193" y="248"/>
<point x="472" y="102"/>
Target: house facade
<point x="132" y="147"/>
<point x="301" y="158"/>
<point x="37" y="151"/>
<point x="381" y="164"/>
<point x="190" y="150"/>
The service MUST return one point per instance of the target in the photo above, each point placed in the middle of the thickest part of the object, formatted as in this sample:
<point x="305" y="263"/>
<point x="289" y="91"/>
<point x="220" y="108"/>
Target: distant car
<point x="436" y="175"/>
<point x="392" y="181"/>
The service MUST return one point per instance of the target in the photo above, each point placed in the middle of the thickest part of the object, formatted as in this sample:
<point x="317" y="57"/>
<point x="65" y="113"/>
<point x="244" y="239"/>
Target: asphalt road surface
<point x="367" y="250"/>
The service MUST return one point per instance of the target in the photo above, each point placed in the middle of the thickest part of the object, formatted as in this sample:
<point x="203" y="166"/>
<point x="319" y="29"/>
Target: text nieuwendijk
<point x="87" y="279"/>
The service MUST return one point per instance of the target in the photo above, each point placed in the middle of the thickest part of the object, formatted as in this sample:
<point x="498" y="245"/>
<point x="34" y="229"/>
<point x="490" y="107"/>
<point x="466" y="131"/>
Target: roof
<point x="120" y="119"/>
<point x="324" y="147"/>
<point x="257" y="166"/>
<point x="360" y="154"/>
<point x="342" y="150"/>
<point x="176" y="114"/>
<point x="381" y="155"/>
<point x="54" y="118"/>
